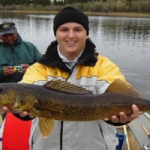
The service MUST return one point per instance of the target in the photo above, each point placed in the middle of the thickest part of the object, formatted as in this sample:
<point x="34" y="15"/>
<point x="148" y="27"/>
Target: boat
<point x="137" y="133"/>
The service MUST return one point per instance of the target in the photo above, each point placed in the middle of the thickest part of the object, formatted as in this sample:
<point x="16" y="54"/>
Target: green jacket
<point x="20" y="52"/>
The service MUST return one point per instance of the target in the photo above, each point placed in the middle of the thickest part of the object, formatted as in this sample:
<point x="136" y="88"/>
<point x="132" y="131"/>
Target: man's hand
<point x="8" y="70"/>
<point x="5" y="109"/>
<point x="123" y="118"/>
<point x="25" y="67"/>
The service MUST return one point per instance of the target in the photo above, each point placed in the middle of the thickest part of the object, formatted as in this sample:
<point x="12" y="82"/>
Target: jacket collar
<point x="51" y="57"/>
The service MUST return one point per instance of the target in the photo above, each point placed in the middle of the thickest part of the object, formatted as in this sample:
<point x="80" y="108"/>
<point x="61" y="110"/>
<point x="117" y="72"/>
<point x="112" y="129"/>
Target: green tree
<point x="4" y="2"/>
<point x="27" y="2"/>
<point x="46" y="2"/>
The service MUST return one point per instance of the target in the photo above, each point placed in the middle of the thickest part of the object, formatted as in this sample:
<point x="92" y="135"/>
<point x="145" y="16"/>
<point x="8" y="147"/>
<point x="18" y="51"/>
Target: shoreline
<point x="109" y="14"/>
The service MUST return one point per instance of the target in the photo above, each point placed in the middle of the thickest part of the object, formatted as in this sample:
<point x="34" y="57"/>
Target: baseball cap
<point x="7" y="28"/>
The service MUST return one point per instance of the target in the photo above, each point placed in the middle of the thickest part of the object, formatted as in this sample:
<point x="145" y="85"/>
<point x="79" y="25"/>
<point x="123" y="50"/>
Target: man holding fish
<point x="72" y="58"/>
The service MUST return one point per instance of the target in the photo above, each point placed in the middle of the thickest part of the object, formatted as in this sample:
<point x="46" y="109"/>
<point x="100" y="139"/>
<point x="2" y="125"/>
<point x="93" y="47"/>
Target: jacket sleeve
<point x="116" y="124"/>
<point x="2" y="76"/>
<point x="109" y="71"/>
<point x="32" y="53"/>
<point x="26" y="118"/>
<point x="37" y="54"/>
<point x="38" y="71"/>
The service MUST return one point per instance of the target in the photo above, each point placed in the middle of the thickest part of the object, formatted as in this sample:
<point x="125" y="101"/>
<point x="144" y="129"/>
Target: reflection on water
<point x="124" y="40"/>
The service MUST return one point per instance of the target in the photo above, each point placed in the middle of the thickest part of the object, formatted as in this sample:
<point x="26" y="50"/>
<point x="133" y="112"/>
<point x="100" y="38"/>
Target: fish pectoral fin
<point x="66" y="87"/>
<point x="46" y="126"/>
<point x="122" y="87"/>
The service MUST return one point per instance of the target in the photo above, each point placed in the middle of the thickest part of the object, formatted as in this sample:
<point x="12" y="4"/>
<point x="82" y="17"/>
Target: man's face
<point x="71" y="38"/>
<point x="9" y="38"/>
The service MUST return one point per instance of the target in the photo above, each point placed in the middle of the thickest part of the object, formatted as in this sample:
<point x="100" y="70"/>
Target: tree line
<point x="54" y="2"/>
<point x="138" y="6"/>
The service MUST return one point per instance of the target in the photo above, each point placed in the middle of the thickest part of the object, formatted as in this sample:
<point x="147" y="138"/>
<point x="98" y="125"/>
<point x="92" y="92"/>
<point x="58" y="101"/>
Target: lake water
<point x="126" y="41"/>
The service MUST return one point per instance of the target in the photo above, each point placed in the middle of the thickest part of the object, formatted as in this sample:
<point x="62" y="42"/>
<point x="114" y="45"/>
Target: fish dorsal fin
<point x="122" y="87"/>
<point x="66" y="87"/>
<point x="46" y="126"/>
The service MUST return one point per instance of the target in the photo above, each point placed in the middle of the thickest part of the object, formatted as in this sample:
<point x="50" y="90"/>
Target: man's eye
<point x="63" y="30"/>
<point x="78" y="30"/>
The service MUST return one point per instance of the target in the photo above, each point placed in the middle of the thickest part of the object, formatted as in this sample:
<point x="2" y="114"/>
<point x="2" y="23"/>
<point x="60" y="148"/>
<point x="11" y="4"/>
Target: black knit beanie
<point x="70" y="14"/>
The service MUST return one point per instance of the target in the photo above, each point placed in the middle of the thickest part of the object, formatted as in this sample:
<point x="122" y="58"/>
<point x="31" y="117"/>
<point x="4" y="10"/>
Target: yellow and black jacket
<point x="92" y="71"/>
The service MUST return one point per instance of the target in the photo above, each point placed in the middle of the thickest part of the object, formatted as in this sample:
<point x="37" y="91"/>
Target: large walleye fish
<point x="58" y="100"/>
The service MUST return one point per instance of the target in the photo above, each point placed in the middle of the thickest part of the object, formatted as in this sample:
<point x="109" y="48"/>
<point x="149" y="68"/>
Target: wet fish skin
<point x="50" y="105"/>
<point x="88" y="107"/>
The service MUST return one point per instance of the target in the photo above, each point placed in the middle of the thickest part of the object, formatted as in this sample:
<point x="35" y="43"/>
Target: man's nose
<point x="71" y="34"/>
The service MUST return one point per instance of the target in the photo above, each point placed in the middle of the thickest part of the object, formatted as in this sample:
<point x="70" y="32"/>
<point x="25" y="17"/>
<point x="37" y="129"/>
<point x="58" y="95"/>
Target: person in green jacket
<point x="16" y="55"/>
